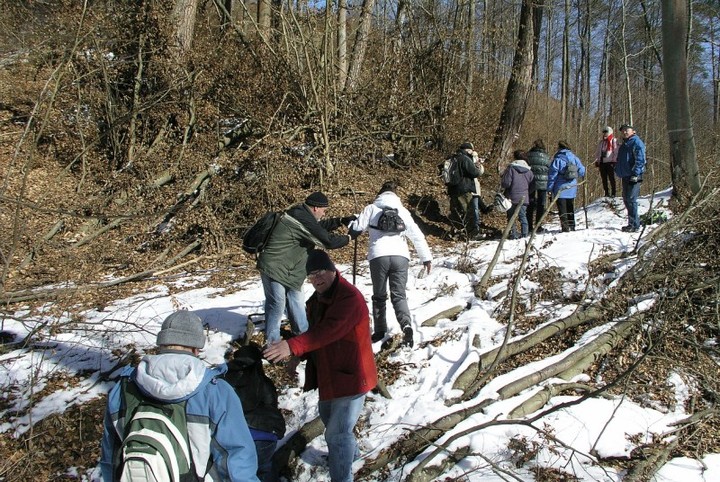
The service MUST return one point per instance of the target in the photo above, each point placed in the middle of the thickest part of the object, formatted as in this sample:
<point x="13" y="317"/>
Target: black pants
<point x="607" y="173"/>
<point x="536" y="208"/>
<point x="566" y="209"/>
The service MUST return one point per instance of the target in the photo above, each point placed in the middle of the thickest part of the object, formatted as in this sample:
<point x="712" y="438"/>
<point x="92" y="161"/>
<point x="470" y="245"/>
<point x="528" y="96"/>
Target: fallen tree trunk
<point x="411" y="446"/>
<point x="296" y="444"/>
<point x="450" y="313"/>
<point x="11" y="297"/>
<point x="471" y="384"/>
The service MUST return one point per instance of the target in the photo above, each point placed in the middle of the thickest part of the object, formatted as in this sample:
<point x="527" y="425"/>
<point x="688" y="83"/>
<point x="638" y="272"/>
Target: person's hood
<point x="388" y="199"/>
<point x="520" y="165"/>
<point x="172" y="377"/>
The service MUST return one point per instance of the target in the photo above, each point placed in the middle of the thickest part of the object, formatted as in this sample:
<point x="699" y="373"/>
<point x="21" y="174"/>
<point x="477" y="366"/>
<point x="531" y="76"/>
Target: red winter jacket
<point x="340" y="361"/>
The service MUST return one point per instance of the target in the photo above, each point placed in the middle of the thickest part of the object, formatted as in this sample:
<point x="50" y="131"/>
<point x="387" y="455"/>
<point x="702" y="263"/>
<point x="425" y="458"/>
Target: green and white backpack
<point x="155" y="447"/>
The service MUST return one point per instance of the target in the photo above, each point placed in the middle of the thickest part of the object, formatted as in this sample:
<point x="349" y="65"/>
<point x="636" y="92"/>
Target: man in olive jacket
<point x="282" y="262"/>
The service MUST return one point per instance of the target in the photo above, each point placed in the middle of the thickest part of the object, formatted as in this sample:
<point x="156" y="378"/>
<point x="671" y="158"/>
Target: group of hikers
<point x="533" y="175"/>
<point x="173" y="418"/>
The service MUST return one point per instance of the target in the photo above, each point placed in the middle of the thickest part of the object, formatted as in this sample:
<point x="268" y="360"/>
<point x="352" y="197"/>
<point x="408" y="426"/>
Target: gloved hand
<point x="634" y="179"/>
<point x="346" y="220"/>
<point x="354" y="234"/>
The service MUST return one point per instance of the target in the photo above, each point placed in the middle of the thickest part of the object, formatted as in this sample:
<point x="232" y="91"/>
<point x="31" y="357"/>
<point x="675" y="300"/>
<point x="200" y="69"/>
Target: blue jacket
<point x="556" y="181"/>
<point x="221" y="445"/>
<point x="631" y="158"/>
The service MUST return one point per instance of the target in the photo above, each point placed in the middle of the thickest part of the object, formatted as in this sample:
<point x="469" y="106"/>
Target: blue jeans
<point x="395" y="270"/>
<point x="340" y="416"/>
<point x="265" y="450"/>
<point x="276" y="295"/>
<point x="522" y="217"/>
<point x="630" y="193"/>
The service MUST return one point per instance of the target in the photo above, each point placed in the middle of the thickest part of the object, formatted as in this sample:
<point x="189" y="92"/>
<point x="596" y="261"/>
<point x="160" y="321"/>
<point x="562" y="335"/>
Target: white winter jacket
<point x="391" y="244"/>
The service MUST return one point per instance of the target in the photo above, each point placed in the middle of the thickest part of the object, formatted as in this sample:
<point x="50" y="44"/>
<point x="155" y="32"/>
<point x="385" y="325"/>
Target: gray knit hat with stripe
<point x="182" y="328"/>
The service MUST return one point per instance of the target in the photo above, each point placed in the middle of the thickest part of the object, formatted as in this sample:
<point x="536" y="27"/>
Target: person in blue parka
<point x="565" y="170"/>
<point x="630" y="168"/>
<point x="222" y="448"/>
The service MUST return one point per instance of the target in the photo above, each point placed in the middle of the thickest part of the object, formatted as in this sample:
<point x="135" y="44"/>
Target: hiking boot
<point x="541" y="230"/>
<point x="629" y="229"/>
<point x="377" y="336"/>
<point x="407" y="337"/>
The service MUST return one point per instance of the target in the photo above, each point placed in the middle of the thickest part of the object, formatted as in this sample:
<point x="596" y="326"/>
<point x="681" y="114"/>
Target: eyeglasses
<point x="606" y="132"/>
<point x="316" y="273"/>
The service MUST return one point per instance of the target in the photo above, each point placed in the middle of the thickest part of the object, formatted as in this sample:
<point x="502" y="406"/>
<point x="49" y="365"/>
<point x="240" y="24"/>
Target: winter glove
<point x="354" y="234"/>
<point x="348" y="219"/>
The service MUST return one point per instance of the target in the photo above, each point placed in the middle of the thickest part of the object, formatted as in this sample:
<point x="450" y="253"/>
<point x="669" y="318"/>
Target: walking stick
<point x="585" y="204"/>
<point x="355" y="245"/>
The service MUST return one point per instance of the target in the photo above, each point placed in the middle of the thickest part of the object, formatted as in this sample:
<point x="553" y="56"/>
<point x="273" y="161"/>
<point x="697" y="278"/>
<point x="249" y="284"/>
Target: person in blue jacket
<point x="222" y="448"/>
<point x="565" y="170"/>
<point x="630" y="168"/>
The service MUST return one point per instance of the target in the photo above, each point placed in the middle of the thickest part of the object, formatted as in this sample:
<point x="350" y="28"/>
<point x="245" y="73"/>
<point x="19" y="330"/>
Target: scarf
<point x="607" y="144"/>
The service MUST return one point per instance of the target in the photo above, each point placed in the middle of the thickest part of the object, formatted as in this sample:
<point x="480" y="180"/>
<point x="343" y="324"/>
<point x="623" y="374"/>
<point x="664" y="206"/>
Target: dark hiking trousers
<point x="566" y="210"/>
<point x="392" y="270"/>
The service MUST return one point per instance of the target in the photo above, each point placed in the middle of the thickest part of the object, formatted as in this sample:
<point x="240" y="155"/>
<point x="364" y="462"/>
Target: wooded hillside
<point x="141" y="138"/>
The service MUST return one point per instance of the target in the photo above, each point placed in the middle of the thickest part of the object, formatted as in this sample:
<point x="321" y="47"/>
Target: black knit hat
<point x="467" y="145"/>
<point x="317" y="200"/>
<point x="317" y="260"/>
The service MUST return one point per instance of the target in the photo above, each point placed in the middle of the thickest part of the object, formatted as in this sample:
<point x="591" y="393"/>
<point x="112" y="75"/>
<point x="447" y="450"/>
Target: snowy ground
<point x="91" y="341"/>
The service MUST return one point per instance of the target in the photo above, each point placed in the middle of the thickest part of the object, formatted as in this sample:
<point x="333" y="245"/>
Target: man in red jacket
<point x="340" y="361"/>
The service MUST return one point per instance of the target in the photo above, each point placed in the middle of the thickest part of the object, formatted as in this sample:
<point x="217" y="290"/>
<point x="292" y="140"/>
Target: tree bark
<point x="683" y="165"/>
<point x="362" y="37"/>
<point x="518" y="89"/>
<point x="183" y="17"/>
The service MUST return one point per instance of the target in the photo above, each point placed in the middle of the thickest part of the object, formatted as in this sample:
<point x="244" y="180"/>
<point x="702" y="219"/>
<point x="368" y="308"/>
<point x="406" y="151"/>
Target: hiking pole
<point x="355" y="244"/>
<point x="585" y="203"/>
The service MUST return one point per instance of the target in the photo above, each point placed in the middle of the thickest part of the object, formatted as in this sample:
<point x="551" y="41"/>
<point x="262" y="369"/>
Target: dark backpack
<point x="390" y="221"/>
<point x="256" y="238"/>
<point x="450" y="171"/>
<point x="156" y="445"/>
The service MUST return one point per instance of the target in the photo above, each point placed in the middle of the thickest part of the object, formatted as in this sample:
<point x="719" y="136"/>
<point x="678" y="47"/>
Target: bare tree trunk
<point x="183" y="16"/>
<point x="684" y="166"/>
<point x="518" y="90"/>
<point x="626" y="70"/>
<point x="360" y="45"/>
<point x="565" y="82"/>
<point x="342" y="44"/>
<point x="263" y="17"/>
<point x="469" y="60"/>
<point x="538" y="10"/>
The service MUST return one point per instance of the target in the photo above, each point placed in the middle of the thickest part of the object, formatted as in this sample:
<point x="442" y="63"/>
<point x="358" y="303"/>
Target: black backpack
<point x="256" y="238"/>
<point x="390" y="221"/>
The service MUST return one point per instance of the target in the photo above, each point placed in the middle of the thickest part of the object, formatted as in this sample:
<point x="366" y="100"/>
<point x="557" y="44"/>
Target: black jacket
<point x="469" y="172"/>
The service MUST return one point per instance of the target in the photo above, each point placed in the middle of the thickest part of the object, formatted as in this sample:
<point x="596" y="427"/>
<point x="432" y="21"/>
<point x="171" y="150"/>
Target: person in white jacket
<point x="389" y="258"/>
